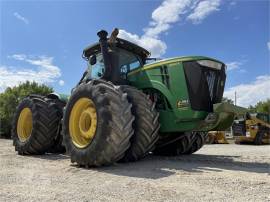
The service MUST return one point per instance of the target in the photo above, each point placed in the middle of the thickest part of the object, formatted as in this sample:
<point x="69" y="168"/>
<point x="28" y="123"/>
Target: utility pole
<point x="235" y="98"/>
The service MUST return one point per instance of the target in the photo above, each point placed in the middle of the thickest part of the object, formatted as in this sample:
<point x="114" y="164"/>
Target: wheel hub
<point x="83" y="122"/>
<point x="25" y="124"/>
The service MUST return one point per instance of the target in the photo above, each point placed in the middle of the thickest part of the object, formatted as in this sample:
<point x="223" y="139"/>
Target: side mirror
<point x="93" y="60"/>
<point x="99" y="74"/>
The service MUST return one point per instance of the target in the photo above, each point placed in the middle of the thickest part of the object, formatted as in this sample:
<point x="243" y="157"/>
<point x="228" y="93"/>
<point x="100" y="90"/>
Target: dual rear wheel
<point x="35" y="125"/>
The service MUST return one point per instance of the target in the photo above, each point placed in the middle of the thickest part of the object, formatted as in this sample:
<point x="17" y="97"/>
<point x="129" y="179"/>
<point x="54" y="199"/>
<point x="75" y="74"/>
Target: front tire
<point x="97" y="124"/>
<point x="146" y="125"/>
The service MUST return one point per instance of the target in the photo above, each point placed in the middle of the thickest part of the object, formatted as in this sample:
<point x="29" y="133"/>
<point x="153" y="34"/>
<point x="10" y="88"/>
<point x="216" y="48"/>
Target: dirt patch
<point x="216" y="172"/>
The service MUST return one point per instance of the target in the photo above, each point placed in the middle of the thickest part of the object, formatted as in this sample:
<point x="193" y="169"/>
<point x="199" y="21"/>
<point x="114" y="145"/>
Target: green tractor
<point x="125" y="106"/>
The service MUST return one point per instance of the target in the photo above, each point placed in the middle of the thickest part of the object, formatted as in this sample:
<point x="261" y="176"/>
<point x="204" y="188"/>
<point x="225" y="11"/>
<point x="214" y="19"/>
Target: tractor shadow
<point x="50" y="156"/>
<point x="155" y="167"/>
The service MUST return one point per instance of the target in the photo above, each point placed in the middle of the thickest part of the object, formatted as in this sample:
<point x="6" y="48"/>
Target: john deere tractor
<point x="125" y="106"/>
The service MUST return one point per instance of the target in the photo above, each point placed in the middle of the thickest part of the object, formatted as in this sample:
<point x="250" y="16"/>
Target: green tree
<point x="263" y="106"/>
<point x="252" y="109"/>
<point x="11" y="97"/>
<point x="228" y="100"/>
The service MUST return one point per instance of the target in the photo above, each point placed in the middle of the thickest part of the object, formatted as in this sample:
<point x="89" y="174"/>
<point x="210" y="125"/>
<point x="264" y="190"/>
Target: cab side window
<point x="126" y="68"/>
<point x="134" y="65"/>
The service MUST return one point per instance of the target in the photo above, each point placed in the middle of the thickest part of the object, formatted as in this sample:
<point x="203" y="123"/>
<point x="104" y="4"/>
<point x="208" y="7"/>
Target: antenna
<point x="235" y="98"/>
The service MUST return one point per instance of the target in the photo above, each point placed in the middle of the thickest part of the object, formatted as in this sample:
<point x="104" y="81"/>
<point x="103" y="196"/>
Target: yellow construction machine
<point x="254" y="128"/>
<point x="217" y="137"/>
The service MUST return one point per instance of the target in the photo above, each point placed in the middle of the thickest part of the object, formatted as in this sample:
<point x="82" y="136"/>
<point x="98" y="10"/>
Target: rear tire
<point x="58" y="146"/>
<point x="197" y="142"/>
<point x="146" y="125"/>
<point x="44" y="120"/>
<point x="173" y="145"/>
<point x="113" y="124"/>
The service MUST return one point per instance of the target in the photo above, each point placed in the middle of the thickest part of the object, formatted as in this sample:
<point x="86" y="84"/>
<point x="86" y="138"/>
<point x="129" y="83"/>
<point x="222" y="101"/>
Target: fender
<point x="62" y="97"/>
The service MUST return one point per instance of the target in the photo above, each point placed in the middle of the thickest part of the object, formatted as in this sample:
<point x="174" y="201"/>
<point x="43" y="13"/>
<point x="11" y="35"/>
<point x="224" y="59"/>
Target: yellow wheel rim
<point x="83" y="122"/>
<point x="25" y="124"/>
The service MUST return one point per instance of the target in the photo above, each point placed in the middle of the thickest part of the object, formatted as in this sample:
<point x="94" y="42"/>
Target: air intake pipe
<point x="103" y="41"/>
<point x="110" y="57"/>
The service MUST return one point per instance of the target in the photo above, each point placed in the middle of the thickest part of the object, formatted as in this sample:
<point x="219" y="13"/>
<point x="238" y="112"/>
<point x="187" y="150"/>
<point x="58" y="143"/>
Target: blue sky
<point x="43" y="40"/>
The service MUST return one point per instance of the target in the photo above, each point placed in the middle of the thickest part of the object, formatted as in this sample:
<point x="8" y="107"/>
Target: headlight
<point x="210" y="63"/>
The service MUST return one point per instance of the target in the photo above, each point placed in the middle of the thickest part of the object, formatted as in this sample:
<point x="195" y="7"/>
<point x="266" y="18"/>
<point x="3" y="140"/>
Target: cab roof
<point x="121" y="43"/>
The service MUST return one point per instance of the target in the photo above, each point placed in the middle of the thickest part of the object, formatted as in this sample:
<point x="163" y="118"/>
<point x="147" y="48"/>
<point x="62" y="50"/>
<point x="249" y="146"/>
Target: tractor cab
<point x="112" y="59"/>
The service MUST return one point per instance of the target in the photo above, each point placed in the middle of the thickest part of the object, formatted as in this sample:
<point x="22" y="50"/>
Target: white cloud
<point x="45" y="63"/>
<point x="61" y="82"/>
<point x="268" y="45"/>
<point x="43" y="71"/>
<point x="251" y="93"/>
<point x="21" y="18"/>
<point x="242" y="71"/>
<point x="155" y="46"/>
<point x="166" y="14"/>
<point x="163" y="18"/>
<point x="233" y="65"/>
<point x="203" y="9"/>
<point x="233" y="3"/>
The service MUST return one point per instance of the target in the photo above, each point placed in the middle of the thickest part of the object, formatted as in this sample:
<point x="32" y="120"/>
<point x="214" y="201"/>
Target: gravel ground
<point x="215" y="173"/>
